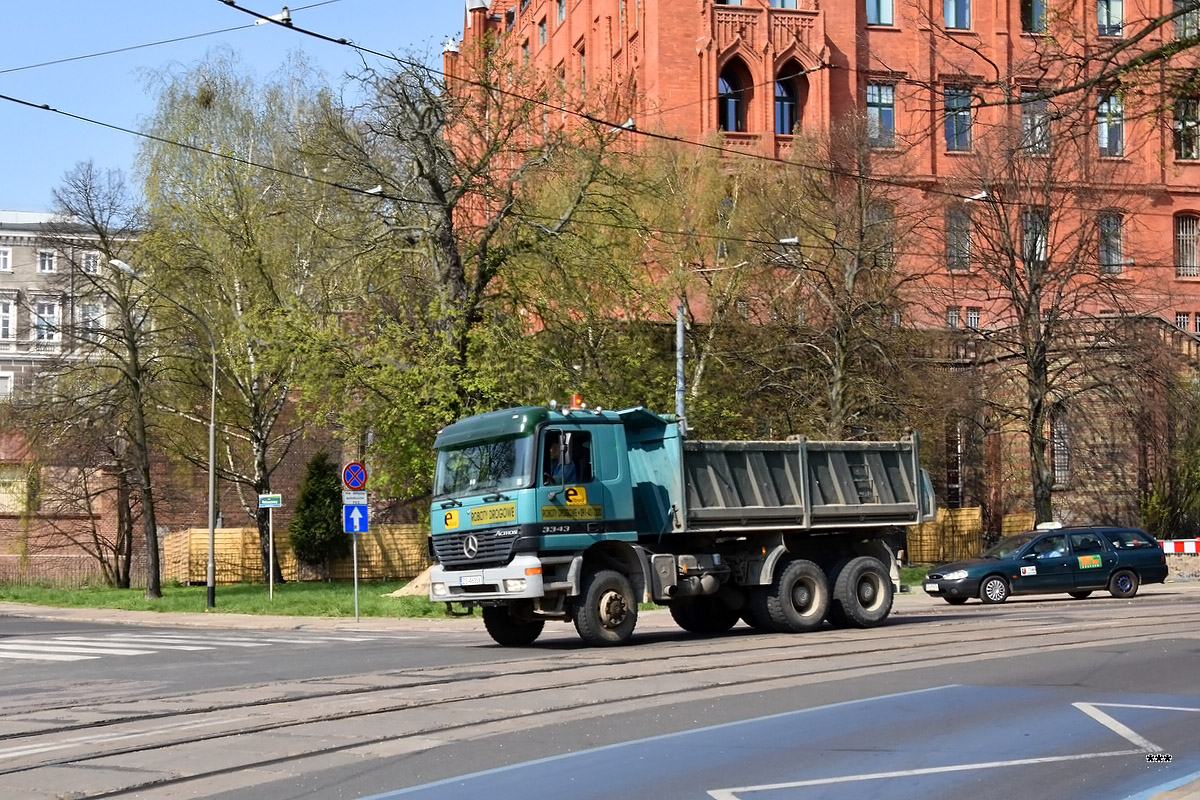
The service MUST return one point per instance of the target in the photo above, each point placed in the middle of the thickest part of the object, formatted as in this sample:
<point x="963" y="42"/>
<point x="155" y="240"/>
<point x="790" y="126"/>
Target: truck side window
<point x="567" y="458"/>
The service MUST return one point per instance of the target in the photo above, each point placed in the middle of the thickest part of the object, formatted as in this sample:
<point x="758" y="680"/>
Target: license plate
<point x="470" y="580"/>
<point x="932" y="587"/>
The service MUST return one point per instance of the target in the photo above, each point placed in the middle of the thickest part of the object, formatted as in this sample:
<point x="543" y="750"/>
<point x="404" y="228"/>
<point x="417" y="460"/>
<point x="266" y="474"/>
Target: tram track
<point x="414" y="709"/>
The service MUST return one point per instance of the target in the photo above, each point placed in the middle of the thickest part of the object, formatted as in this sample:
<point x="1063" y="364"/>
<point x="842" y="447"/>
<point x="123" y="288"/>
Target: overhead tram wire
<point x="145" y="45"/>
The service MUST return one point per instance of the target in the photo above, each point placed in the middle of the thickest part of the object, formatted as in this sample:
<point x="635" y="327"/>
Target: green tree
<point x="316" y="527"/>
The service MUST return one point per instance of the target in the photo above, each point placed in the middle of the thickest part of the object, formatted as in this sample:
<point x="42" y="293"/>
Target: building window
<point x="8" y="321"/>
<point x="1035" y="122"/>
<point x="14" y="487"/>
<point x="542" y="33"/>
<point x="958" y="239"/>
<point x="91" y="262"/>
<point x="1187" y="128"/>
<point x="562" y="11"/>
<point x="728" y="2"/>
<point x="91" y="321"/>
<point x="510" y="19"/>
<point x="731" y="105"/>
<point x="1110" y="125"/>
<point x="879" y="12"/>
<point x="46" y="261"/>
<point x="1108" y="226"/>
<point x="1197" y="318"/>
<point x="1036" y="235"/>
<point x="45" y="321"/>
<point x="525" y="52"/>
<point x="1187" y="24"/>
<point x="880" y="235"/>
<point x="1060" y="445"/>
<point x="1181" y="320"/>
<point x="784" y="4"/>
<point x="1110" y="17"/>
<point x="1187" y="259"/>
<point x="5" y="259"/>
<point x="1033" y="16"/>
<point x="881" y="114"/>
<point x="958" y="119"/>
<point x="958" y="14"/>
<point x="952" y="317"/>
<point x="6" y="384"/>
<point x="973" y="318"/>
<point x="785" y="106"/>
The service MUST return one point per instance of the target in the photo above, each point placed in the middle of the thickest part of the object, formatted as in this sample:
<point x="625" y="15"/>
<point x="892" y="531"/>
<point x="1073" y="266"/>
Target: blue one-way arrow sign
<point x="354" y="519"/>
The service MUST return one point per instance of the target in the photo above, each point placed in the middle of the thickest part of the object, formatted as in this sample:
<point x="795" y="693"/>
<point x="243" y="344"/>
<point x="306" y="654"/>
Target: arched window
<point x="731" y="109"/>
<point x="785" y="107"/>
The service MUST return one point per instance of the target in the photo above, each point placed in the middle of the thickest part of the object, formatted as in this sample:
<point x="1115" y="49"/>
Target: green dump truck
<point x="545" y="513"/>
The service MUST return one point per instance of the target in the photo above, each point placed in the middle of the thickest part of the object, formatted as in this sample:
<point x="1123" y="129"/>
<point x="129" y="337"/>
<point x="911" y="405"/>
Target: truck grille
<point x="487" y="549"/>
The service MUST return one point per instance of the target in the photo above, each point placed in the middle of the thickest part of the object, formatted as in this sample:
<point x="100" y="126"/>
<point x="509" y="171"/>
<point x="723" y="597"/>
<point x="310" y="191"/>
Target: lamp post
<point x="212" y="427"/>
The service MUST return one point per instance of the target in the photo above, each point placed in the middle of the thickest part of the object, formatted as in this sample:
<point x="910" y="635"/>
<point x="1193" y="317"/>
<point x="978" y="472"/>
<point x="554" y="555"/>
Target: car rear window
<point x="1129" y="539"/>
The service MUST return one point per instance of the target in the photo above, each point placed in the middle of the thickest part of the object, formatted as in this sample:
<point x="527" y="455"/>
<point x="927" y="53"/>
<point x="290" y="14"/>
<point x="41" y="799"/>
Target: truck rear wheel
<point x="605" y="611"/>
<point x="862" y="594"/>
<point x="797" y="600"/>
<point x="507" y="630"/>
<point x="704" y="614"/>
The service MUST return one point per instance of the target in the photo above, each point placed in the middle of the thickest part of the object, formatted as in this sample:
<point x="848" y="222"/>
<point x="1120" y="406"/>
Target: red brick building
<point x="933" y="80"/>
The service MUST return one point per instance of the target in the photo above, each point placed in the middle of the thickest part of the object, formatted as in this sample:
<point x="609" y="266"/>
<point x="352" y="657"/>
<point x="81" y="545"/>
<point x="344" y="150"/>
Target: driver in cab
<point x="556" y="472"/>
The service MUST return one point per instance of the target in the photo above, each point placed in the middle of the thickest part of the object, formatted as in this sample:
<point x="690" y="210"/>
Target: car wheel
<point x="993" y="590"/>
<point x="1081" y="595"/>
<point x="1124" y="583"/>
<point x="955" y="601"/>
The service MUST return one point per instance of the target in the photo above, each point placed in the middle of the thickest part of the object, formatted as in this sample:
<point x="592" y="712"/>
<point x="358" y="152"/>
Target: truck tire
<point x="862" y="594"/>
<point x="799" y="597"/>
<point x="507" y="630"/>
<point x="605" y="611"/>
<point x="706" y="614"/>
<point x="755" y="613"/>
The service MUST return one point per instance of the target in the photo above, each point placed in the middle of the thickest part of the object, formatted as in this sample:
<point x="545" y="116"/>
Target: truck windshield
<point x="494" y="466"/>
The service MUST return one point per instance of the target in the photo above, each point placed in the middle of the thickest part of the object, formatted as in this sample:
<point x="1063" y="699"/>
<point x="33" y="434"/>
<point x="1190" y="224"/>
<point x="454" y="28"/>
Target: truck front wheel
<point x="862" y="594"/>
<point x="606" y="610"/>
<point x="799" y="597"/>
<point x="507" y="630"/>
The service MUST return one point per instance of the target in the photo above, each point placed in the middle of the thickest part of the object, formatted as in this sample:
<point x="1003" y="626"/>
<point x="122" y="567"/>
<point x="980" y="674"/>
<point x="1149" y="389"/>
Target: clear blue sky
<point x="38" y="147"/>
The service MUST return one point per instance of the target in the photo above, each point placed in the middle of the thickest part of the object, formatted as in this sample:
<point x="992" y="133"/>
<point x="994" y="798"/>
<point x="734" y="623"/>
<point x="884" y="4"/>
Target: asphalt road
<point x="1043" y="697"/>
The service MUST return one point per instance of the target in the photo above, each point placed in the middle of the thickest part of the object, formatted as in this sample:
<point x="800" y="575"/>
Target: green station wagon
<point x="1077" y="561"/>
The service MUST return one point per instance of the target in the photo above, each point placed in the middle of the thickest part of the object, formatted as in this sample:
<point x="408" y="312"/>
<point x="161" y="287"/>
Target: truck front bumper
<point x="520" y="578"/>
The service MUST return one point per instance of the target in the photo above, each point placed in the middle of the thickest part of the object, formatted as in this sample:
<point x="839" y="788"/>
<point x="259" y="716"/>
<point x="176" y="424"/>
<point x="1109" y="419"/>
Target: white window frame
<point x="1182" y="319"/>
<point x="47" y="262"/>
<point x="40" y="332"/>
<point x="1110" y="126"/>
<point x="1187" y="246"/>
<point x="5" y="259"/>
<point x="1035" y="122"/>
<point x="6" y="384"/>
<point x="1110" y="18"/>
<point x="1187" y="128"/>
<point x="953" y="317"/>
<point x="88" y="332"/>
<point x="1188" y="23"/>
<point x="8" y="317"/>
<point x="973" y="318"/>
<point x="90" y="262"/>
<point x="880" y="12"/>
<point x="1035" y="235"/>
<point x="957" y="14"/>
<point x="881" y="114"/>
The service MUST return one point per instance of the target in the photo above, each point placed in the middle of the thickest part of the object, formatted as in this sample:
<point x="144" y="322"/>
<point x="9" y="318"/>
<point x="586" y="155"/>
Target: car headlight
<point x="956" y="575"/>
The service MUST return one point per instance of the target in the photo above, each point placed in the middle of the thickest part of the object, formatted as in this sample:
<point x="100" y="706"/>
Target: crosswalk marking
<point x="77" y="647"/>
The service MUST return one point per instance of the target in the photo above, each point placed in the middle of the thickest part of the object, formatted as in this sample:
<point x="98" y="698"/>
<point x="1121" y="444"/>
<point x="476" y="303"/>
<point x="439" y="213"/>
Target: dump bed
<point x="799" y="485"/>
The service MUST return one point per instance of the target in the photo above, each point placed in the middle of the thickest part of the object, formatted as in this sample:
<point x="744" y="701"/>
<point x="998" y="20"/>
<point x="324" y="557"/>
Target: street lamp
<point x="212" y="427"/>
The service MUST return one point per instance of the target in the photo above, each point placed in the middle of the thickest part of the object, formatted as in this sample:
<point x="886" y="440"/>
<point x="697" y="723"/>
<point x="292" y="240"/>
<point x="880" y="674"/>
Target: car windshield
<point x="478" y="467"/>
<point x="1008" y="545"/>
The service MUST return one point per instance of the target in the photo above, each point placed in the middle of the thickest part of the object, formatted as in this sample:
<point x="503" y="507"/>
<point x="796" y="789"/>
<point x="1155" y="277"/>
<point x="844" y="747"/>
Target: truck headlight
<point x="439" y="590"/>
<point x="514" y="584"/>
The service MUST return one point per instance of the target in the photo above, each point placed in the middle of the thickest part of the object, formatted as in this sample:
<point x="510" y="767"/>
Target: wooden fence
<point x="957" y="533"/>
<point x="396" y="552"/>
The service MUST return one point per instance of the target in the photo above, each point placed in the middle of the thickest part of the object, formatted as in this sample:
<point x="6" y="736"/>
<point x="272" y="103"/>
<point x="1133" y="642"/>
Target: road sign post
<point x="270" y="502"/>
<point x="354" y="512"/>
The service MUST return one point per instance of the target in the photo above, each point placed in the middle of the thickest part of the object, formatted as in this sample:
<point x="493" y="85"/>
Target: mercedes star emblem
<point x="470" y="547"/>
